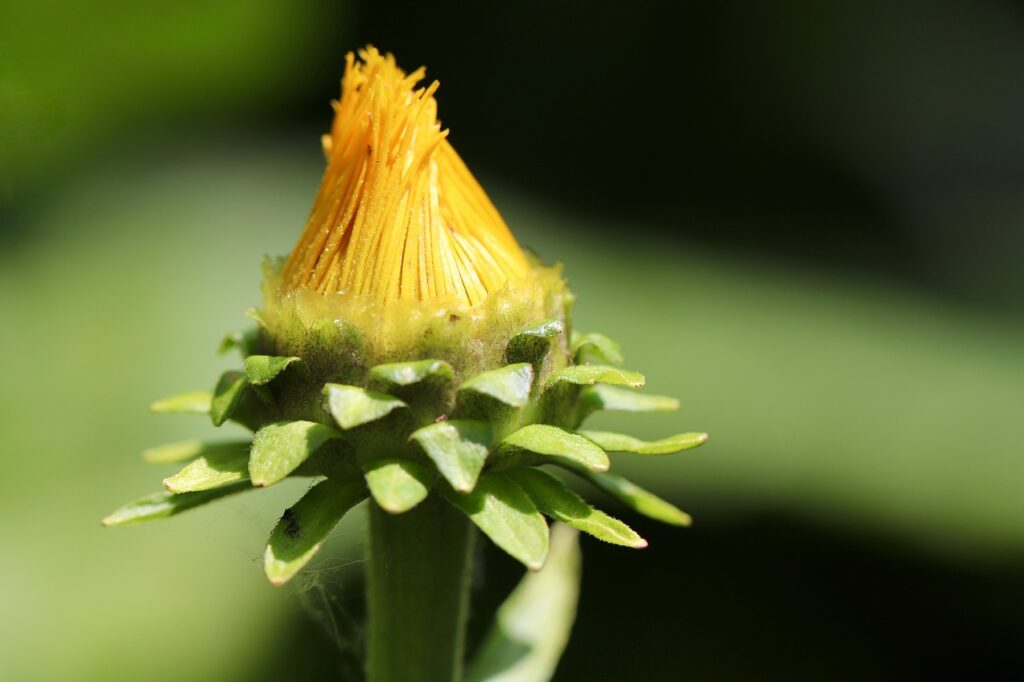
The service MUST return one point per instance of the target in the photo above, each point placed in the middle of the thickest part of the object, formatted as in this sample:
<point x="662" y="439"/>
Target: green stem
<point x="417" y="593"/>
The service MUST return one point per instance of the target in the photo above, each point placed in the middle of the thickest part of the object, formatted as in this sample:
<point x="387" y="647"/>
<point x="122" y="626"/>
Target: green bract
<point x="399" y="432"/>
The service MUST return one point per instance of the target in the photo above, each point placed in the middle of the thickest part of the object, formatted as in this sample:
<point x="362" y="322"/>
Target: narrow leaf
<point x="533" y="343"/>
<point x="279" y="448"/>
<point x="190" y="449"/>
<point x="227" y="395"/>
<point x="619" y="442"/>
<point x="532" y="627"/>
<point x="255" y="315"/>
<point x="409" y="373"/>
<point x="554" y="499"/>
<point x="211" y="470"/>
<point x="304" y="526"/>
<point x="586" y="375"/>
<point x="397" y="485"/>
<point x="635" y="497"/>
<point x="193" y="402"/>
<point x="352" y="406"/>
<point x="508" y="517"/>
<point x="244" y="341"/>
<point x="598" y="346"/>
<point x="458" y="448"/>
<point x="552" y="441"/>
<point x="163" y="504"/>
<point x="611" y="398"/>
<point x="509" y="385"/>
<point x="262" y="369"/>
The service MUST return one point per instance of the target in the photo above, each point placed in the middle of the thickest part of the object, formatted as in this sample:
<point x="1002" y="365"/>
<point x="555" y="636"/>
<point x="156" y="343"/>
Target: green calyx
<point x="468" y="429"/>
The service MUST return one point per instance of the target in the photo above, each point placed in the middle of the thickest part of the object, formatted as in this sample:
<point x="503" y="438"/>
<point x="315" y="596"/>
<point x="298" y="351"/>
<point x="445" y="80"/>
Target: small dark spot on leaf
<point x="291" y="528"/>
<point x="454" y="318"/>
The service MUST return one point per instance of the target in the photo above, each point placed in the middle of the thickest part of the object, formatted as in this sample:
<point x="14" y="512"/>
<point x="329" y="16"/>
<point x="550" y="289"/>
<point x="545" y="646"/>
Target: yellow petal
<point x="398" y="215"/>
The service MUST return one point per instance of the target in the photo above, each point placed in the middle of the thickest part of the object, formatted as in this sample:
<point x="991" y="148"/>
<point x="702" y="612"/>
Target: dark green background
<point x="803" y="218"/>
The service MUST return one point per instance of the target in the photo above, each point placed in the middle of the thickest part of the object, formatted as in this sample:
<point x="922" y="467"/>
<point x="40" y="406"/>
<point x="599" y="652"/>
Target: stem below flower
<point x="417" y="593"/>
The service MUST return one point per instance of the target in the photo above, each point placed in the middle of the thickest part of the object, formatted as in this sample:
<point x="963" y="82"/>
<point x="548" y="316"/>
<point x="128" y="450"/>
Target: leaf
<point x="458" y="448"/>
<point x="533" y="343"/>
<point x="227" y="395"/>
<point x="554" y="499"/>
<point x="532" y="627"/>
<point x="163" y="504"/>
<point x="619" y="442"/>
<point x="634" y="497"/>
<point x="244" y="341"/>
<point x="304" y="526"/>
<point x="509" y="385"/>
<point x="262" y="369"/>
<point x="257" y="316"/>
<point x="397" y="485"/>
<point x="193" y="402"/>
<point x="279" y="448"/>
<point x="211" y="470"/>
<point x="611" y="398"/>
<point x="410" y="373"/>
<point x="595" y="345"/>
<point x="585" y="375"/>
<point x="508" y="517"/>
<point x="552" y="441"/>
<point x="423" y="385"/>
<point x="190" y="449"/>
<point x="352" y="406"/>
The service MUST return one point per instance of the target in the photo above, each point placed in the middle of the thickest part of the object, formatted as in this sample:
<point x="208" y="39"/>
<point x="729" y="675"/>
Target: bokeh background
<point x="805" y="218"/>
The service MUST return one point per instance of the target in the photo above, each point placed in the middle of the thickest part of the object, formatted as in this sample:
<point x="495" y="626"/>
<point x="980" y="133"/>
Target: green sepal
<point x="193" y="402"/>
<point x="262" y="369"/>
<point x="304" y="526"/>
<point x="551" y="441"/>
<point x="562" y="402"/>
<point x="532" y="344"/>
<point x="352" y="406"/>
<point x="424" y="385"/>
<point x="586" y="375"/>
<point x="244" y="341"/>
<point x="595" y="346"/>
<point x="164" y="504"/>
<point x="395" y="375"/>
<point x="231" y="386"/>
<point x="554" y="499"/>
<point x="279" y="448"/>
<point x="633" y="496"/>
<point x="509" y="385"/>
<point x="181" y="451"/>
<point x="458" y="448"/>
<point x="211" y="470"/>
<point x="507" y="516"/>
<point x="619" y="442"/>
<point x="398" y="485"/>
<point x="532" y="626"/>
<point x="611" y="398"/>
<point x="256" y="316"/>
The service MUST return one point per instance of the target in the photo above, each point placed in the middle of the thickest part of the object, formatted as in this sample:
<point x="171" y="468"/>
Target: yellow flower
<point x="399" y="216"/>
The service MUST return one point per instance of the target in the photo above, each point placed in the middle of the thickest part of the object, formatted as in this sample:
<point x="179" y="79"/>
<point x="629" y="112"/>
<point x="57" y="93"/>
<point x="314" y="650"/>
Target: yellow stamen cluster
<point x="398" y="215"/>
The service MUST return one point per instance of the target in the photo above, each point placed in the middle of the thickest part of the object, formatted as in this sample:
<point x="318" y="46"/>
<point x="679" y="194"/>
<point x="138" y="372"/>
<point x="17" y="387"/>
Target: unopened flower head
<point x="401" y="233"/>
<point x="410" y="352"/>
<point x="398" y="215"/>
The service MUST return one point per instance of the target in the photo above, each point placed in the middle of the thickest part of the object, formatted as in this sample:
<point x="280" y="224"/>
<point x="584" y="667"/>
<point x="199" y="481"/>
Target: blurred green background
<point x="804" y="219"/>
